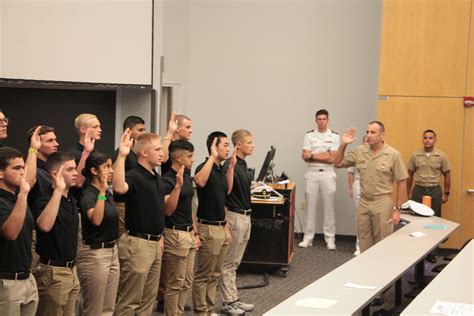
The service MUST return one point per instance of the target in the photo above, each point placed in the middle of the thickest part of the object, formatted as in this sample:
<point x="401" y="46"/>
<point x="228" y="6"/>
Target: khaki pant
<point x="372" y="218"/>
<point x="121" y="212"/>
<point x="241" y="226"/>
<point x="58" y="289"/>
<point x="99" y="272"/>
<point x="140" y="265"/>
<point x="211" y="257"/>
<point x="18" y="297"/>
<point x="179" y="253"/>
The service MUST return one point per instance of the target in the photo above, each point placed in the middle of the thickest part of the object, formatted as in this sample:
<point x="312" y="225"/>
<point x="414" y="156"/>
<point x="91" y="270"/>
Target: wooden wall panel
<point x="406" y="118"/>
<point x="467" y="213"/>
<point x="424" y="45"/>
<point x="470" y="73"/>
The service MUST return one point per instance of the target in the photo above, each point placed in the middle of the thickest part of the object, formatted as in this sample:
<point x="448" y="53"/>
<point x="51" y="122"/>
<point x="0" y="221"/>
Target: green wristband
<point x="101" y="198"/>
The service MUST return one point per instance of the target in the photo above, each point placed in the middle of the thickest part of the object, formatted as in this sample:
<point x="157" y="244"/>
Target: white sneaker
<point x="305" y="243"/>
<point x="232" y="309"/>
<point x="244" y="306"/>
<point x="331" y="245"/>
<point x="357" y="252"/>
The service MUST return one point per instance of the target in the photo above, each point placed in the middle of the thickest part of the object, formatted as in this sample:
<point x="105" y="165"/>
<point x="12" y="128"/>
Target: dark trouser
<point x="435" y="193"/>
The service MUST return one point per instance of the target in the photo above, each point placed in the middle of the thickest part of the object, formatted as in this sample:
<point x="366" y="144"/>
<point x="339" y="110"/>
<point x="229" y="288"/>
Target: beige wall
<point x="268" y="66"/>
<point x="84" y="41"/>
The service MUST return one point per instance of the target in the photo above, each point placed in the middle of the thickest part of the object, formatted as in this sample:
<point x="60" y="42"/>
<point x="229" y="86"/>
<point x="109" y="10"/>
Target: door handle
<point x="470" y="190"/>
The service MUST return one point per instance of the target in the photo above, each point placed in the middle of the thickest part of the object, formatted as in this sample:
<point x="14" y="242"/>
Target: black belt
<point x="183" y="228"/>
<point x="145" y="236"/>
<point x="243" y="212"/>
<point x="54" y="263"/>
<point x="215" y="223"/>
<point x="14" y="275"/>
<point x="100" y="245"/>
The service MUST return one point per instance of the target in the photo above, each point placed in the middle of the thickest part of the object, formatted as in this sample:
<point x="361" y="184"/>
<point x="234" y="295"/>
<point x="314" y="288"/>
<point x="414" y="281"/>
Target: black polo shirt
<point x="239" y="197"/>
<point x="42" y="185"/>
<point x="108" y="229"/>
<point x="15" y="255"/>
<point x="182" y="216"/>
<point x="76" y="151"/>
<point x="213" y="195"/>
<point x="130" y="162"/>
<point x="166" y="166"/>
<point x="144" y="207"/>
<point x="60" y="243"/>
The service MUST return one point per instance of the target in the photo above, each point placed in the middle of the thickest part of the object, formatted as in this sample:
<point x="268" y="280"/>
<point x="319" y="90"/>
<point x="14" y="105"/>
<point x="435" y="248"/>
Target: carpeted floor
<point x="307" y="266"/>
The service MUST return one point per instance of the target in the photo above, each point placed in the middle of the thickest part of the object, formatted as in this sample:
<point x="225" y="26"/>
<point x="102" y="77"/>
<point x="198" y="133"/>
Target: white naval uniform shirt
<point x="318" y="142"/>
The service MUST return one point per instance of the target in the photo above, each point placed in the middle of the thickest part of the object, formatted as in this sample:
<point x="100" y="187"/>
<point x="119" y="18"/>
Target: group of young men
<point x="157" y="235"/>
<point x="378" y="167"/>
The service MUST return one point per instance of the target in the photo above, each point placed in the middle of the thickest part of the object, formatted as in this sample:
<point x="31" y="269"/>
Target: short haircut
<point x="131" y="121"/>
<point x="143" y="141"/>
<point x="380" y="124"/>
<point x="239" y="135"/>
<point x="179" y="145"/>
<point x="211" y="137"/>
<point x="7" y="154"/>
<point x="81" y="119"/>
<point x="42" y="131"/>
<point x="58" y="158"/>
<point x="322" y="112"/>
<point x="180" y="118"/>
<point x="95" y="160"/>
<point x="429" y="131"/>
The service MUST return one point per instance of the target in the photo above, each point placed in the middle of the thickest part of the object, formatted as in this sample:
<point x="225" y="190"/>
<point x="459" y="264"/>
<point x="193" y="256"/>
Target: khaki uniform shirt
<point x="377" y="173"/>
<point x="428" y="169"/>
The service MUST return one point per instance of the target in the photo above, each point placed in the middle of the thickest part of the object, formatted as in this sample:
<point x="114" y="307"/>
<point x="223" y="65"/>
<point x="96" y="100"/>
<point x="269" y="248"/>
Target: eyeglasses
<point x="4" y="121"/>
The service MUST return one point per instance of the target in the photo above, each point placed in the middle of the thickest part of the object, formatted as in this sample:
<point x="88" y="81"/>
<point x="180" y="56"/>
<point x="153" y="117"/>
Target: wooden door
<point x="424" y="47"/>
<point x="406" y="118"/>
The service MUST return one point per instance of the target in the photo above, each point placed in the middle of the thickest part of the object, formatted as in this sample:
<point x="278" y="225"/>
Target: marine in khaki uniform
<point x="425" y="167"/>
<point x="379" y="166"/>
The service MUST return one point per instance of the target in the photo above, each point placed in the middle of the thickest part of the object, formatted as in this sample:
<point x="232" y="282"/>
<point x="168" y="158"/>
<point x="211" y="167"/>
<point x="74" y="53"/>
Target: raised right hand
<point x="349" y="136"/>
<point x="125" y="143"/>
<point x="214" y="148"/>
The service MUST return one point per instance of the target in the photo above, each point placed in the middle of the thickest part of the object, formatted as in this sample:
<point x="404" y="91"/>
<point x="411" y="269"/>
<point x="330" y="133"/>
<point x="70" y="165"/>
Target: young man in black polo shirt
<point x="89" y="131"/>
<point x="238" y="220"/>
<point x="213" y="185"/>
<point x="140" y="249"/>
<point x="180" y="241"/>
<point x="57" y="224"/>
<point x="16" y="226"/>
<point x="48" y="145"/>
<point x="182" y="130"/>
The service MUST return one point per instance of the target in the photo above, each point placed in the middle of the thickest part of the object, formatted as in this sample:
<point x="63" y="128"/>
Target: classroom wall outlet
<point x="303" y="205"/>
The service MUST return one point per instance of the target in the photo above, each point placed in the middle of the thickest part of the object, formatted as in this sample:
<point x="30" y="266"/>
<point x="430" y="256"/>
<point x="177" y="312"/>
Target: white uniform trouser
<point x="321" y="185"/>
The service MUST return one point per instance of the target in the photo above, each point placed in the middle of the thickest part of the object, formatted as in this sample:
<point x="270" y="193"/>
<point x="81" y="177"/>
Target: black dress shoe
<point x="377" y="301"/>
<point x="431" y="258"/>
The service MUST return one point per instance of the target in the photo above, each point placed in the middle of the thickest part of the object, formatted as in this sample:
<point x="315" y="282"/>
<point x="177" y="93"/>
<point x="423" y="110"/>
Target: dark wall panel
<point x="26" y="107"/>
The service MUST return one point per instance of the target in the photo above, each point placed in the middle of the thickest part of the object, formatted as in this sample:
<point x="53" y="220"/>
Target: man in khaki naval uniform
<point x="379" y="165"/>
<point x="426" y="167"/>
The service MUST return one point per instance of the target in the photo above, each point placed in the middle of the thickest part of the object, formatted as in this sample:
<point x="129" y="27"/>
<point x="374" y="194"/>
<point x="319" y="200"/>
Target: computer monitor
<point x="267" y="164"/>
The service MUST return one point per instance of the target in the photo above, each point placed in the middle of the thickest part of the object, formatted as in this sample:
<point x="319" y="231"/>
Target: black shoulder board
<point x="334" y="132"/>
<point x="310" y="131"/>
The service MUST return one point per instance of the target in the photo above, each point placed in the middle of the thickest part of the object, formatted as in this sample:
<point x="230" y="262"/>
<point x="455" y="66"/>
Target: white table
<point x="379" y="266"/>
<point x="454" y="284"/>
